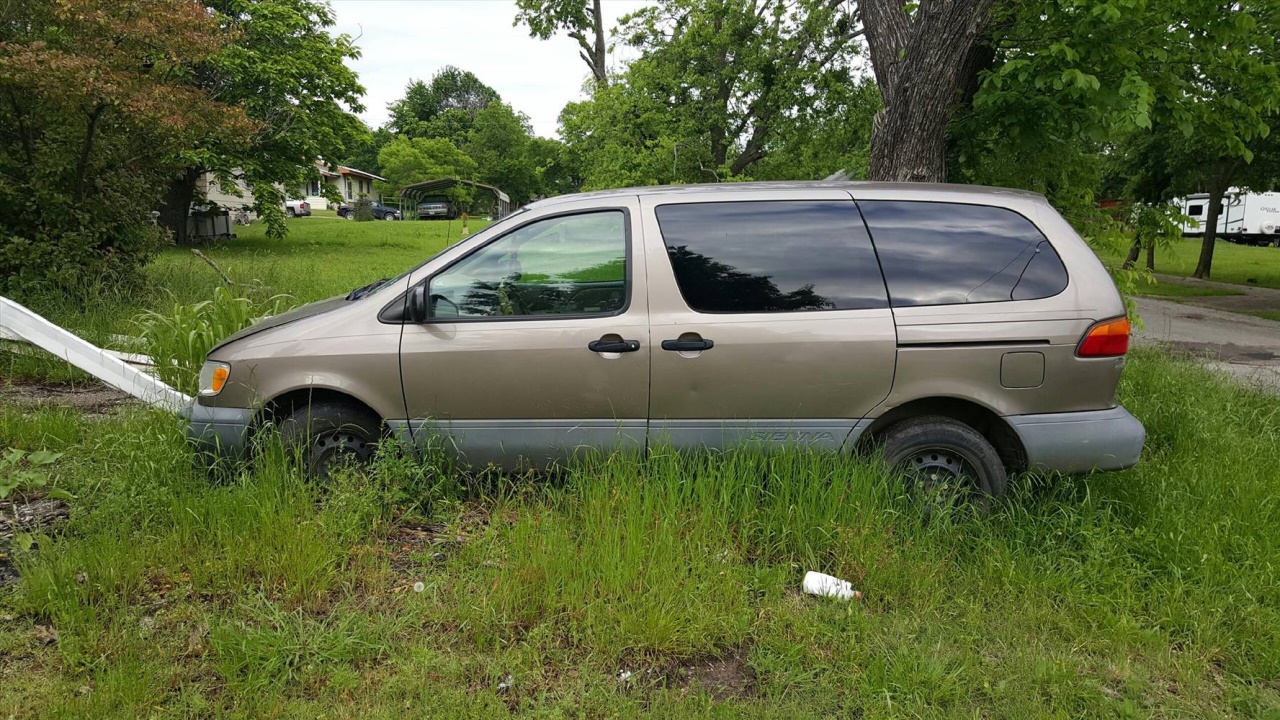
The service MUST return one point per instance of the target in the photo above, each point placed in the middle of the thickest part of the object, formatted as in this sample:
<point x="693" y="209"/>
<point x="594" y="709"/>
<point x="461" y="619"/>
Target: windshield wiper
<point x="366" y="289"/>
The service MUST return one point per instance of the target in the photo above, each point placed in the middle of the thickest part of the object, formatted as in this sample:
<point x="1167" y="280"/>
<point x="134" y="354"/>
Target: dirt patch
<point x="1228" y="352"/>
<point x="93" y="399"/>
<point x="1247" y="302"/>
<point x="25" y="515"/>
<point x="727" y="677"/>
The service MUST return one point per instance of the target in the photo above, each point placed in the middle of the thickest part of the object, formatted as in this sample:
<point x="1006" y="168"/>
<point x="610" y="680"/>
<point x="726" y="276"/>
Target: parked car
<point x="967" y="332"/>
<point x="297" y="208"/>
<point x="436" y="210"/>
<point x="380" y="212"/>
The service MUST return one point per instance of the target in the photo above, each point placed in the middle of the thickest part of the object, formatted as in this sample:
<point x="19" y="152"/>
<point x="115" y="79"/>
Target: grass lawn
<point x="1174" y="291"/>
<point x="1151" y="592"/>
<point x="1238" y="264"/>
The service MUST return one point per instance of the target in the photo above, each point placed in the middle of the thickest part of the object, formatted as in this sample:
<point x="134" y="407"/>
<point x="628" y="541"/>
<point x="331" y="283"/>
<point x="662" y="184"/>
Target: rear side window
<point x="771" y="257"/>
<point x="950" y="254"/>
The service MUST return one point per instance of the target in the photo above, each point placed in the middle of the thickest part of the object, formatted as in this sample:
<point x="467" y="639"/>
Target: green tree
<point x="288" y="74"/>
<point x="582" y="20"/>
<point x="410" y="160"/>
<point x="364" y="153"/>
<point x="830" y="135"/>
<point x="500" y="143"/>
<point x="95" y="104"/>
<point x="445" y="107"/>
<point x="719" y="85"/>
<point x="558" y="167"/>
<point x="1066" y="80"/>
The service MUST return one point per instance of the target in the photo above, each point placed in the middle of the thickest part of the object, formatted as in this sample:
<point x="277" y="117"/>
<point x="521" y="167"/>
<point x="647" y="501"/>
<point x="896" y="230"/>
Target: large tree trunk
<point x="920" y="64"/>
<point x="1205" y="264"/>
<point x="177" y="204"/>
<point x="598" y="57"/>
<point x="1220" y="177"/>
<point x="1134" y="252"/>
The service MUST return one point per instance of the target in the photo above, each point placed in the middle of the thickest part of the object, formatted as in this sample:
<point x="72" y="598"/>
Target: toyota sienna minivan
<point x="966" y="332"/>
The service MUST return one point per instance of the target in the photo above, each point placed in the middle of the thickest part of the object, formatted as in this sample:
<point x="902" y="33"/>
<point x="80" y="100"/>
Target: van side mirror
<point x="416" y="310"/>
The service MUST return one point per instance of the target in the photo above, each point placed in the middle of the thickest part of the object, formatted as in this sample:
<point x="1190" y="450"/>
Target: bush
<point x="362" y="209"/>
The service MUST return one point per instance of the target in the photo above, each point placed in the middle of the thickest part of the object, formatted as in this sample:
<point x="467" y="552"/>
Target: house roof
<point x="340" y="170"/>
<point x="344" y="170"/>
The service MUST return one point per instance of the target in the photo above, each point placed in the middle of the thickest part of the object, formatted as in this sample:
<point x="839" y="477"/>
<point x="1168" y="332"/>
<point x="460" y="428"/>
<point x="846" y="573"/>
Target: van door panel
<point x="528" y="390"/>
<point x="799" y="376"/>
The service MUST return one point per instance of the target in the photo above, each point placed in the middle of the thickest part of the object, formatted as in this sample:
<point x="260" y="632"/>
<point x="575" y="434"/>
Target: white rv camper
<point x="1247" y="218"/>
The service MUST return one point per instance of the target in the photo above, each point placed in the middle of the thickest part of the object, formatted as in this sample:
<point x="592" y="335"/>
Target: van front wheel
<point x="941" y="455"/>
<point x="327" y="435"/>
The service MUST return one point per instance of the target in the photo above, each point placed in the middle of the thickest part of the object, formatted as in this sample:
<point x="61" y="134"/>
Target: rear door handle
<point x="617" y="346"/>
<point x="687" y="345"/>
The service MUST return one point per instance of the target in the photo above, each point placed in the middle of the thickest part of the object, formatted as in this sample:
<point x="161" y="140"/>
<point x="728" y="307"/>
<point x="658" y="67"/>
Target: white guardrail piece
<point x="19" y="323"/>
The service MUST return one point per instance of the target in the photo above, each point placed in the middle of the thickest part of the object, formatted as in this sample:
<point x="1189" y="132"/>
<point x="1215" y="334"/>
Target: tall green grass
<point x="1150" y="592"/>
<point x="179" y="339"/>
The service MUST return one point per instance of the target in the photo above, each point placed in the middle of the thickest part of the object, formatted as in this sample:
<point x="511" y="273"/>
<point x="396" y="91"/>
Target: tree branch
<point x="83" y="162"/>
<point x="23" y="133"/>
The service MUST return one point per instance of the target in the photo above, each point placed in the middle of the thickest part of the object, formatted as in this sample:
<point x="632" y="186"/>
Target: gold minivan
<point x="968" y="332"/>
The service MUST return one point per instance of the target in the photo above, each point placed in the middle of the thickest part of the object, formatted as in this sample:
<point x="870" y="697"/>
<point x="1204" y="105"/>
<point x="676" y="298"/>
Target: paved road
<point x="1243" y="346"/>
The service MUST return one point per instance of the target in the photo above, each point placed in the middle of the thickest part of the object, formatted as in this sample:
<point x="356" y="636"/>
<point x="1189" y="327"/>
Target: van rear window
<point x="951" y="254"/>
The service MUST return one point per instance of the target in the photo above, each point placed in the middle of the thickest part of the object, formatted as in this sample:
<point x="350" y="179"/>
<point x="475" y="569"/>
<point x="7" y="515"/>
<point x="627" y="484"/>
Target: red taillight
<point x="1109" y="338"/>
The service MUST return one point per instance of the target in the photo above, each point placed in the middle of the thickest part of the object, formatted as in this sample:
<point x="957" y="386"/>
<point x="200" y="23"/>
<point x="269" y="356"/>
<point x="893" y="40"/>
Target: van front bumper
<point x="218" y="430"/>
<point x="1078" y="442"/>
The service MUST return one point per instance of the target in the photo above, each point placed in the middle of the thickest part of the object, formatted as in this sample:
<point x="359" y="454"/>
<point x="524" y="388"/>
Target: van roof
<point x="907" y="190"/>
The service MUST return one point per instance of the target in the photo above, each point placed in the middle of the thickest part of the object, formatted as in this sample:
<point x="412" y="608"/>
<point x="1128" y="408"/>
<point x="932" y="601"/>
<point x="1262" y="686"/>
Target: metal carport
<point x="415" y="192"/>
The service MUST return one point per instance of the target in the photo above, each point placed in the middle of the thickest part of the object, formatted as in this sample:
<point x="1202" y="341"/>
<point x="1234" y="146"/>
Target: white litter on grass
<point x="816" y="583"/>
<point x="506" y="683"/>
<point x="624" y="676"/>
<point x="419" y="586"/>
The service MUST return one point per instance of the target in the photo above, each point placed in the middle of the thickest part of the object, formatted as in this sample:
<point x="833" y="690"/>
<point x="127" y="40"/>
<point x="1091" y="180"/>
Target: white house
<point x="350" y="183"/>
<point x="225" y="197"/>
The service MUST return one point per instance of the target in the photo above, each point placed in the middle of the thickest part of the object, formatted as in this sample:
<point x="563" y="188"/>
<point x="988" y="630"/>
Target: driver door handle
<point x="613" y="346"/>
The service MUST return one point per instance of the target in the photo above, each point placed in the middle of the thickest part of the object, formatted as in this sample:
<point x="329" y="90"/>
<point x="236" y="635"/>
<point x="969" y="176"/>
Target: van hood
<point x="299" y="313"/>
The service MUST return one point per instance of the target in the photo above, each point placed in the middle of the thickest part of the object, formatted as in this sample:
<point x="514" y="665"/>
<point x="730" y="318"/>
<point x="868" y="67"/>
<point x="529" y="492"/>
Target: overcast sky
<point x="403" y="40"/>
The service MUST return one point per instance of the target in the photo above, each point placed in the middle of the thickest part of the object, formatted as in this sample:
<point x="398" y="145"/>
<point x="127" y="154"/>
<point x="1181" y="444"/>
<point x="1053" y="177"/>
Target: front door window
<point x="574" y="265"/>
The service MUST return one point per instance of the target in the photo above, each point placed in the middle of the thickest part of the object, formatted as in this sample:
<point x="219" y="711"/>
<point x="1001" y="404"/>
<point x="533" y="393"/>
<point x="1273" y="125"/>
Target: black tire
<point x="934" y="450"/>
<point x="327" y="434"/>
<point x="292" y="213"/>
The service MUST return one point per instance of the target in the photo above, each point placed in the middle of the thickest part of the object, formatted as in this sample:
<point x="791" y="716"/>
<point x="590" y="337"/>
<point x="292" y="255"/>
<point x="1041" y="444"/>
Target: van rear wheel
<point x="943" y="457"/>
<point x="327" y="435"/>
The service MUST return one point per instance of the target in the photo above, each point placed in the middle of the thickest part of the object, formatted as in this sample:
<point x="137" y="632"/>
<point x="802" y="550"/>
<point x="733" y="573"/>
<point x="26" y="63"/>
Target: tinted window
<point x="573" y="265"/>
<point x="756" y="257"/>
<point x="948" y="254"/>
<point x="1195" y="209"/>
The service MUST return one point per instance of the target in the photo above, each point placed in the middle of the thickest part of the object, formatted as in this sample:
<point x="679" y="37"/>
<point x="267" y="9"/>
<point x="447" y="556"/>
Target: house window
<point x="315" y="188"/>
<point x="348" y="188"/>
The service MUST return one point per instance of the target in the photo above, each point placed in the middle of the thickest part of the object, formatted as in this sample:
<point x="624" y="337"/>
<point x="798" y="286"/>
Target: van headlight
<point x="212" y="377"/>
